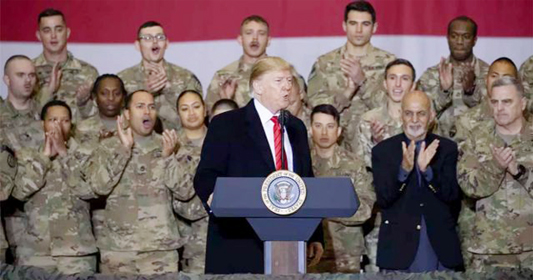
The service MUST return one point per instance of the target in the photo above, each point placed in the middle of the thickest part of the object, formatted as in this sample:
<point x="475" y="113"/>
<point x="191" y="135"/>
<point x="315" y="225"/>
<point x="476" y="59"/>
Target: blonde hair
<point x="268" y="64"/>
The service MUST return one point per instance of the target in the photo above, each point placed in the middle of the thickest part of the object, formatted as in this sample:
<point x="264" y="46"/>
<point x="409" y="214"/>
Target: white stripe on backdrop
<point x="205" y="57"/>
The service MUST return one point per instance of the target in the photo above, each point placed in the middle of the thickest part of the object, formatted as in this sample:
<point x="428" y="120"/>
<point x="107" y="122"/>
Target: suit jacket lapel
<point x="257" y="134"/>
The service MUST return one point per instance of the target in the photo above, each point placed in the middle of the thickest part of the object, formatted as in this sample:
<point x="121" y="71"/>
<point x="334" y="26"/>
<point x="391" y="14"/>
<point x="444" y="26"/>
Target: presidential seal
<point x="283" y="192"/>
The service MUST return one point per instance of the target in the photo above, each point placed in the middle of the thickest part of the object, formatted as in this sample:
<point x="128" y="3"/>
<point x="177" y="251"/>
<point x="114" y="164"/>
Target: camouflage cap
<point x="8" y="163"/>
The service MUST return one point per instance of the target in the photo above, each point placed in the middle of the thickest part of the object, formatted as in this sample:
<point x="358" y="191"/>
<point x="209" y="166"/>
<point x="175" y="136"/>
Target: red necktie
<point x="277" y="144"/>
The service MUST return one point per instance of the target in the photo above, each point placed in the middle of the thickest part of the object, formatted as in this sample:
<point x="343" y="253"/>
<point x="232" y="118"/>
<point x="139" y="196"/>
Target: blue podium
<point x="284" y="236"/>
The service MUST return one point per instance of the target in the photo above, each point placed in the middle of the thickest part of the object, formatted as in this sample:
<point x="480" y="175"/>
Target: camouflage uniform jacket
<point x="7" y="182"/>
<point x="466" y="123"/>
<point x="450" y="105"/>
<point x="327" y="82"/>
<point x="346" y="164"/>
<point x="504" y="206"/>
<point x="21" y="129"/>
<point x="237" y="70"/>
<point x="139" y="184"/>
<point x="180" y="80"/>
<point x="92" y="130"/>
<point x="392" y="127"/>
<point x="188" y="157"/>
<point x="526" y="75"/>
<point x="75" y="73"/>
<point x="59" y="221"/>
<point x="241" y="72"/>
<point x="305" y="116"/>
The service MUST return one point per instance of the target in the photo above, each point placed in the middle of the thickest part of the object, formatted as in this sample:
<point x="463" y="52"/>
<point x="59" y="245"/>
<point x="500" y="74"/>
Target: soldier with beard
<point x="138" y="173"/>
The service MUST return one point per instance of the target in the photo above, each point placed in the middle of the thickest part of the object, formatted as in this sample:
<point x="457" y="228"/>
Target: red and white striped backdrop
<point x="203" y="32"/>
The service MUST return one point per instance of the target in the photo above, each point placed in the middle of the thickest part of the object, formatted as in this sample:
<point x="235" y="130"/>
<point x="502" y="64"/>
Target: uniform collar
<point x="525" y="135"/>
<point x="332" y="162"/>
<point x="150" y="143"/>
<point x="343" y="50"/>
<point x="243" y="67"/>
<point x="14" y="113"/>
<point x="71" y="63"/>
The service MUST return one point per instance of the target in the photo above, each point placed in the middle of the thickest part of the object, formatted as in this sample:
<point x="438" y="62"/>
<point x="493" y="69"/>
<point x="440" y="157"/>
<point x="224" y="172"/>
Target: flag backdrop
<point x="203" y="32"/>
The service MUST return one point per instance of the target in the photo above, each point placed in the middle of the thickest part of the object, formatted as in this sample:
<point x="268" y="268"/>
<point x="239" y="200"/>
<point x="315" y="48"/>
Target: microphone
<point x="283" y="118"/>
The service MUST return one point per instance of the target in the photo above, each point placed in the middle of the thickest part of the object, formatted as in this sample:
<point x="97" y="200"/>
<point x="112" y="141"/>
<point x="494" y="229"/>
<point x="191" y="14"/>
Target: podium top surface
<point x="326" y="198"/>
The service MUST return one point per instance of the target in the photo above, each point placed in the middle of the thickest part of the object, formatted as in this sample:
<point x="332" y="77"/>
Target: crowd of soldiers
<point x="96" y="171"/>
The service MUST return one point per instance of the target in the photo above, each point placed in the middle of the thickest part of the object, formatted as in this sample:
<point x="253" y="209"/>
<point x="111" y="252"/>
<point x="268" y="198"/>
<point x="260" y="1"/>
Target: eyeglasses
<point x="150" y="38"/>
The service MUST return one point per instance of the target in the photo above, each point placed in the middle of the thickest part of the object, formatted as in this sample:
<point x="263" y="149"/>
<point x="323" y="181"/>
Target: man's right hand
<point x="125" y="136"/>
<point x="378" y="131"/>
<point x="156" y="79"/>
<point x="53" y="83"/>
<point x="445" y="74"/>
<point x="228" y="89"/>
<point x="503" y="156"/>
<point x="351" y="67"/>
<point x="408" y="159"/>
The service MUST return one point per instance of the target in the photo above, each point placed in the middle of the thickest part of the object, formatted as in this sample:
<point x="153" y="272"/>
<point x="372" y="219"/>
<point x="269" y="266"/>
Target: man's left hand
<point x="426" y="154"/>
<point x="469" y="78"/>
<point x="83" y="94"/>
<point x="170" y="140"/>
<point x="314" y="253"/>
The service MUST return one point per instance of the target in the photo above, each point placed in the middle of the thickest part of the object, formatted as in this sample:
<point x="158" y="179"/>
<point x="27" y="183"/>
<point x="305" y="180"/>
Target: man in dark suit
<point x="416" y="186"/>
<point x="241" y="143"/>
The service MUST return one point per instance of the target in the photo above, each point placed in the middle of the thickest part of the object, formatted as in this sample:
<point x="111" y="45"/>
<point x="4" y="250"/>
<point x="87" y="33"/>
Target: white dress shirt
<point x="268" y="126"/>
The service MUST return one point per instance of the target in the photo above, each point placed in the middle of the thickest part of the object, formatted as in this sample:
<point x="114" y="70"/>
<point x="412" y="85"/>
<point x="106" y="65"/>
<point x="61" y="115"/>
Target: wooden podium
<point x="284" y="236"/>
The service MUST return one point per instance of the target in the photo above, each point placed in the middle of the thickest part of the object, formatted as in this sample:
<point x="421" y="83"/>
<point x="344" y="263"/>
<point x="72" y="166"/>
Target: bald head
<point x="417" y="114"/>
<point x="14" y="59"/>
<point x="417" y="96"/>
<point x="19" y="77"/>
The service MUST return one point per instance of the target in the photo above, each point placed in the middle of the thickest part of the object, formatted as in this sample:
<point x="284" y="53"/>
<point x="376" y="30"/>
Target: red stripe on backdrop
<point x="116" y="21"/>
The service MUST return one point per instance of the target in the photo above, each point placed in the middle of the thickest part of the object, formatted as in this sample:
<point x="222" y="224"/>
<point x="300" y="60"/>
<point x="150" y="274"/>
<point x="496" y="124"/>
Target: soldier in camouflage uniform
<point x="526" y="74"/>
<point x="233" y="81"/>
<point x="20" y="127"/>
<point x="154" y="74"/>
<point x="465" y="125"/>
<point x="109" y="93"/>
<point x="138" y="172"/>
<point x="8" y="170"/>
<point x="49" y="179"/>
<point x="496" y="170"/>
<point x="344" y="236"/>
<point x="62" y="76"/>
<point x="193" y="218"/>
<point x="457" y="83"/>
<point x="381" y="123"/>
<point x="501" y="67"/>
<point x="350" y="77"/>
<point x="385" y="121"/>
<point x="297" y="105"/>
